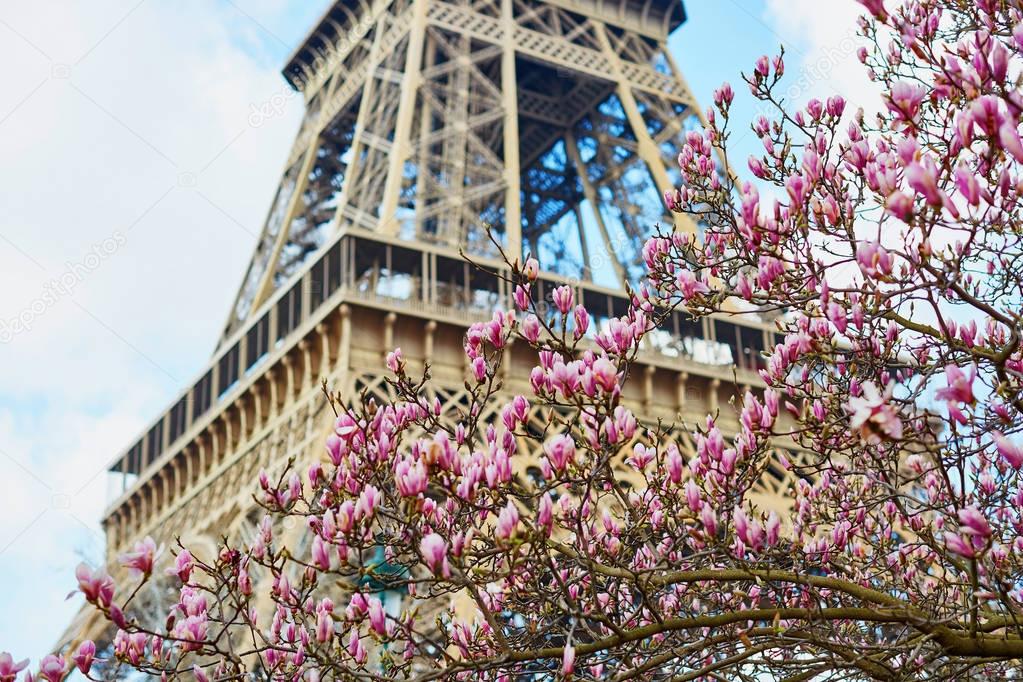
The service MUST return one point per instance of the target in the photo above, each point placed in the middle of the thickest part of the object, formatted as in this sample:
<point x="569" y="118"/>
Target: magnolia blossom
<point x="140" y="560"/>
<point x="508" y="521"/>
<point x="52" y="668"/>
<point x="1010" y="451"/>
<point x="568" y="660"/>
<point x="904" y="99"/>
<point x="83" y="658"/>
<point x="9" y="669"/>
<point x="560" y="451"/>
<point x="183" y="564"/>
<point x="873" y="416"/>
<point x="97" y="586"/>
<point x="873" y="259"/>
<point x="563" y="299"/>
<point x="435" y="550"/>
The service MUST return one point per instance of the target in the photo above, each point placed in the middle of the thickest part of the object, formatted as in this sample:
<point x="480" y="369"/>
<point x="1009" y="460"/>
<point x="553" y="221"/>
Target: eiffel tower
<point x="434" y="128"/>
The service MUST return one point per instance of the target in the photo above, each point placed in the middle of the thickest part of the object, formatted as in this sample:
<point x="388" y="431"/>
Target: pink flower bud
<point x="674" y="464"/>
<point x="434" y="550"/>
<point x="974" y="523"/>
<point x="1009" y="451"/>
<point x="83" y="657"/>
<point x="531" y="269"/>
<point x="568" y="661"/>
<point x="762" y="67"/>
<point x="508" y="521"/>
<point x="563" y="299"/>
<point x="582" y="321"/>
<point x="97" y="586"/>
<point x="560" y="450"/>
<point x="395" y="361"/>
<point x="377" y="616"/>
<point x="140" y="560"/>
<point x="182" y="566"/>
<point x="531" y="328"/>
<point x="960" y="546"/>
<point x="545" y="515"/>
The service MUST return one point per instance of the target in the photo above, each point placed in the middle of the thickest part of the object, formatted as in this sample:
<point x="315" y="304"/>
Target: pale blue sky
<point x="131" y="170"/>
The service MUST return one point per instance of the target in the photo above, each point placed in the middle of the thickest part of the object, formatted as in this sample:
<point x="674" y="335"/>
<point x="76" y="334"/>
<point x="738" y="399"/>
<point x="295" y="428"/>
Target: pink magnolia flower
<point x="395" y="361"/>
<point x="762" y="66"/>
<point x="320" y="553"/>
<point x="872" y="415"/>
<point x="545" y="515"/>
<point x="900" y="205"/>
<point x="968" y="185"/>
<point x="960" y="385"/>
<point x="52" y="668"/>
<point x="773" y="528"/>
<point x="1009" y="451"/>
<point x="183" y="564"/>
<point x="97" y="586"/>
<point x="1008" y="137"/>
<point x="84" y="656"/>
<point x="411" y="477"/>
<point x="377" y="616"/>
<point x="508" y="521"/>
<point x="531" y="269"/>
<point x="709" y="520"/>
<point x="324" y="627"/>
<point x="366" y="506"/>
<point x="875" y="7"/>
<point x="531" y="328"/>
<point x="641" y="456"/>
<point x="199" y="673"/>
<point x="563" y="299"/>
<point x="191" y="631"/>
<point x="435" y="552"/>
<point x="582" y="321"/>
<point x="960" y="546"/>
<point x="568" y="660"/>
<point x="873" y="260"/>
<point x="8" y="668"/>
<point x="923" y="177"/>
<point x="605" y="373"/>
<point x="973" y="522"/>
<point x="797" y="187"/>
<point x="140" y="560"/>
<point x="521" y="297"/>
<point x="357" y="649"/>
<point x="723" y="96"/>
<point x="904" y="100"/>
<point x="693" y="495"/>
<point x="560" y="450"/>
<point x="688" y="285"/>
<point x="673" y="462"/>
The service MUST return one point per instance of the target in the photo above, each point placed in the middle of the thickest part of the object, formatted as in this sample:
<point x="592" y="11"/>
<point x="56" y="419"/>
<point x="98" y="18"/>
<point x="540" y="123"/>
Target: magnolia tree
<point x="890" y="256"/>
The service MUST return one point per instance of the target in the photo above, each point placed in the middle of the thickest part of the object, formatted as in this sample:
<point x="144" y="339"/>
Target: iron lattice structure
<point x="431" y="125"/>
<point x="552" y="125"/>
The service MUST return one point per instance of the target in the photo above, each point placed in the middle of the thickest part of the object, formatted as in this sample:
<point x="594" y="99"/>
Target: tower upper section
<point x="338" y="29"/>
<point x="542" y="127"/>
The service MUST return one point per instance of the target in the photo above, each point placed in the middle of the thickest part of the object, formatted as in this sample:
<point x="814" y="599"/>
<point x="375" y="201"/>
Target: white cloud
<point x="821" y="39"/>
<point x="132" y="175"/>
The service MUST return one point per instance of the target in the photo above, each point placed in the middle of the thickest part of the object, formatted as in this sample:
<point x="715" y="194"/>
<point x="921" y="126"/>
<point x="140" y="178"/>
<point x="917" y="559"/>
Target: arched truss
<point x="550" y="129"/>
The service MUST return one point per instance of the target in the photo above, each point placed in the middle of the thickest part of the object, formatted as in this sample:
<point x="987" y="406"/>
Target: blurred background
<point x="141" y="142"/>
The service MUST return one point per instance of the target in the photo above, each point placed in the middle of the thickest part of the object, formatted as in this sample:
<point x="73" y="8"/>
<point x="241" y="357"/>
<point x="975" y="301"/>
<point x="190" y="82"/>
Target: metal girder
<point x="452" y="109"/>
